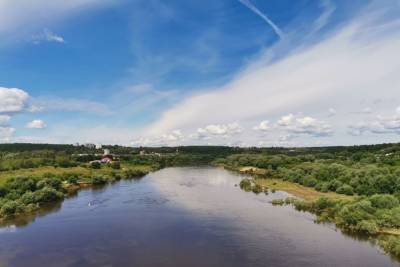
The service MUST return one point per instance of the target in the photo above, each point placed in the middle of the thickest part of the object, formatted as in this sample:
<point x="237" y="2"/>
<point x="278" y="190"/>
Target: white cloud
<point x="224" y="130"/>
<point x="348" y="66"/>
<point x="253" y="8"/>
<point x="36" y="124"/>
<point x="328" y="8"/>
<point x="286" y="120"/>
<point x="332" y="112"/>
<point x="6" y="133"/>
<point x="398" y="110"/>
<point x="70" y="104"/>
<point x="47" y="36"/>
<point x="172" y="138"/>
<point x="13" y="100"/>
<point x="263" y="126"/>
<point x="17" y="18"/>
<point x="305" y="125"/>
<point x="4" y="119"/>
<point x="379" y="125"/>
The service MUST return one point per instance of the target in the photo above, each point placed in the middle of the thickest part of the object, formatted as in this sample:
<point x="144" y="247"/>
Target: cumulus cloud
<point x="286" y="120"/>
<point x="13" y="100"/>
<point x="4" y="119"/>
<point x="379" y="125"/>
<point x="36" y="124"/>
<point x="6" y="133"/>
<point x="263" y="126"/>
<point x="172" y="138"/>
<point x="221" y="130"/>
<point x="305" y="125"/>
<point x="47" y="36"/>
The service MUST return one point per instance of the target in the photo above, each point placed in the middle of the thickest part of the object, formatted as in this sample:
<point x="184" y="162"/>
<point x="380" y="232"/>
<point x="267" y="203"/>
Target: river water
<point x="179" y="217"/>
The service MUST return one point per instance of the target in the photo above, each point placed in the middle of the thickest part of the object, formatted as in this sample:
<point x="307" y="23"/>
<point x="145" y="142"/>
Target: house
<point x="107" y="159"/>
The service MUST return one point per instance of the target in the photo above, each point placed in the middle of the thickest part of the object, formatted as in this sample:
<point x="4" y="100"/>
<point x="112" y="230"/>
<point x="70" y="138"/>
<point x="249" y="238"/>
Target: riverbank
<point x="25" y="191"/>
<point x="376" y="216"/>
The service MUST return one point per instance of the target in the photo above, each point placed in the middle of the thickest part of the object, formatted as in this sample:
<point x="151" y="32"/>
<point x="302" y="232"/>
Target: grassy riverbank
<point x="375" y="215"/>
<point x="306" y="193"/>
<point x="26" y="190"/>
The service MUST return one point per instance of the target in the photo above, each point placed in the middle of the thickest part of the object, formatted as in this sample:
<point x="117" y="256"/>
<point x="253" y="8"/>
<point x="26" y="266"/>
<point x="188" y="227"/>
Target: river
<point x="179" y="217"/>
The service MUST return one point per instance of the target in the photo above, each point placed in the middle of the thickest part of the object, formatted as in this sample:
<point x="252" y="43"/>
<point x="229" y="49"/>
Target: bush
<point x="245" y="184"/>
<point x="47" y="195"/>
<point x="309" y="181"/>
<point x="28" y="198"/>
<point x="324" y="203"/>
<point x="50" y="182"/>
<point x="9" y="208"/>
<point x="20" y="185"/>
<point x="257" y="189"/>
<point x="345" y="189"/>
<point x="278" y="202"/>
<point x="3" y="191"/>
<point x="99" y="180"/>
<point x="95" y="165"/>
<point x="71" y="178"/>
<point x="367" y="226"/>
<point x="384" y="201"/>
<point x="116" y="165"/>
<point x="322" y="187"/>
<point x="391" y="244"/>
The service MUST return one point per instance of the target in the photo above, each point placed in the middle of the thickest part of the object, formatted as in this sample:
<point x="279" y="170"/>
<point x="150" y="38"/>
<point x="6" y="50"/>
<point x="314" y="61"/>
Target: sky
<point x="228" y="72"/>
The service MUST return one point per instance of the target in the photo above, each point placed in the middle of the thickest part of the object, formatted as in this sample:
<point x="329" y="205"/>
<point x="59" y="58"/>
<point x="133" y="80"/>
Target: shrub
<point x="367" y="226"/>
<point x="9" y="208"/>
<point x="95" y="165"/>
<point x="345" y="189"/>
<point x="98" y="180"/>
<point x="50" y="182"/>
<point x="28" y="198"/>
<point x="384" y="201"/>
<point x="324" y="203"/>
<point x="47" y="195"/>
<point x="257" y="189"/>
<point x="116" y="165"/>
<point x="309" y="181"/>
<point x="3" y="191"/>
<point x="391" y="244"/>
<point x="278" y="202"/>
<point x="245" y="184"/>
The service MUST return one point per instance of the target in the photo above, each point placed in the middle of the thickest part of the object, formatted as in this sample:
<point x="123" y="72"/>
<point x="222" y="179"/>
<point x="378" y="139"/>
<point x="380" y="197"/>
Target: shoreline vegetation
<point x="356" y="188"/>
<point x="376" y="217"/>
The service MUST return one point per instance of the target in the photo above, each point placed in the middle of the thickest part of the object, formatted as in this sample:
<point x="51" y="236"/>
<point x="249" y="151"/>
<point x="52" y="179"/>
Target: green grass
<point x="81" y="171"/>
<point x="303" y="192"/>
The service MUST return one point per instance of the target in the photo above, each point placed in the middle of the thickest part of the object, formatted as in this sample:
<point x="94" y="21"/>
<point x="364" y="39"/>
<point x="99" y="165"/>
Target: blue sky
<point x="233" y="72"/>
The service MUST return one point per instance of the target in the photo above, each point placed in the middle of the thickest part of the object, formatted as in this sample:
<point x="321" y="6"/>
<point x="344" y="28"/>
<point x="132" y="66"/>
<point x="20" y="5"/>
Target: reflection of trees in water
<point x="25" y="219"/>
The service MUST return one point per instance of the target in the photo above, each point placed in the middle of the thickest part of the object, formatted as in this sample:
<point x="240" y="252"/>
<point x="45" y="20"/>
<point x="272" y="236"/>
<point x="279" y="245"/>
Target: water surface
<point x="180" y="217"/>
